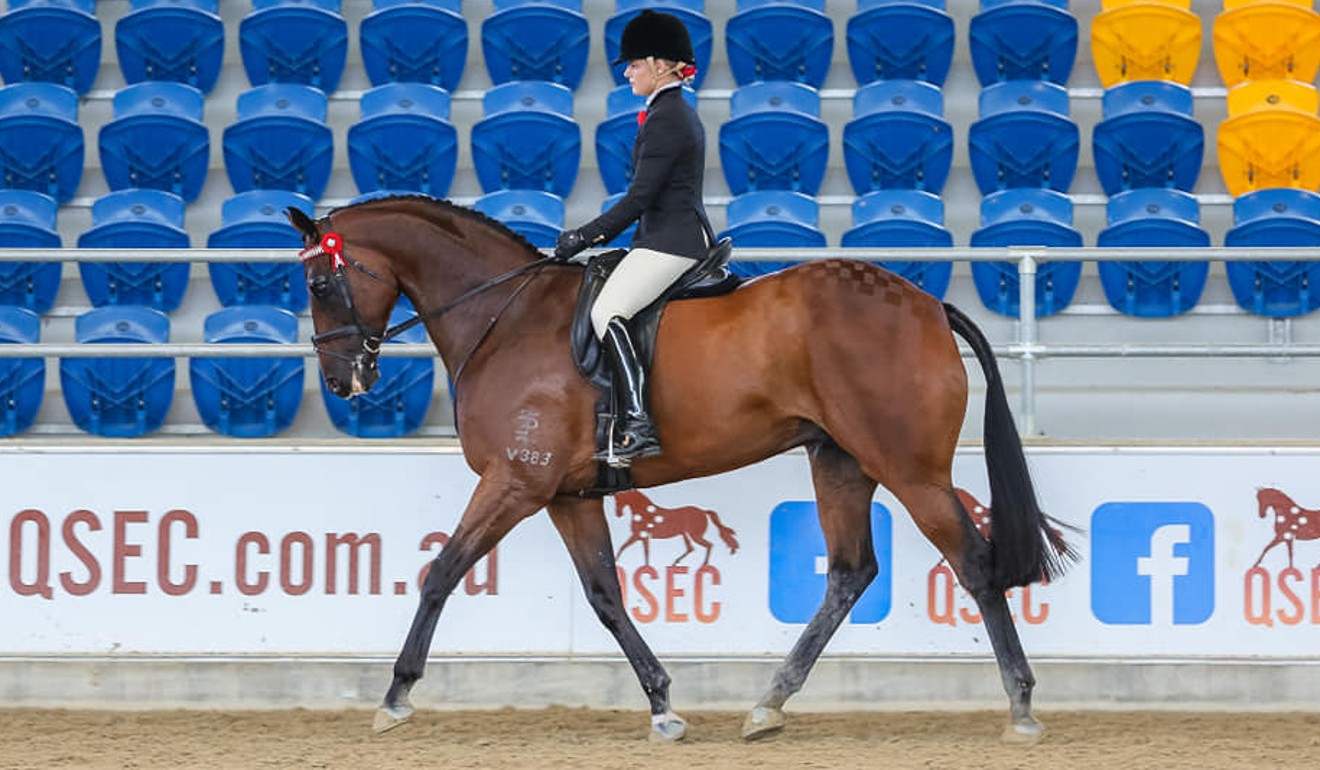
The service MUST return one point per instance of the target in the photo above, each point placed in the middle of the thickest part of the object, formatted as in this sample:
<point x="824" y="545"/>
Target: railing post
<point x="1027" y="339"/>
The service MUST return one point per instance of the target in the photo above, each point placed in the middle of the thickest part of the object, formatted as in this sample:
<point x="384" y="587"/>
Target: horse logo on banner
<point x="650" y="522"/>
<point x="1291" y="521"/>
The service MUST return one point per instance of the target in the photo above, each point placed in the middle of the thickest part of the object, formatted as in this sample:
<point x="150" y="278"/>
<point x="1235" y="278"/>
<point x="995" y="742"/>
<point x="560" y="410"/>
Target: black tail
<point x="1026" y="546"/>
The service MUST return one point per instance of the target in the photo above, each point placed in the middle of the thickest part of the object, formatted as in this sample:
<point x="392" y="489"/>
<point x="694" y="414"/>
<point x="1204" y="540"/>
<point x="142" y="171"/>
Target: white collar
<point x="661" y="90"/>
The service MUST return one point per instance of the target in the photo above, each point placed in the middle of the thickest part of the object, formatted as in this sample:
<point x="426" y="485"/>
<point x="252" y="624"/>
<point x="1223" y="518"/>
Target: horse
<point x="651" y="522"/>
<point x="1291" y="521"/>
<point x="839" y="357"/>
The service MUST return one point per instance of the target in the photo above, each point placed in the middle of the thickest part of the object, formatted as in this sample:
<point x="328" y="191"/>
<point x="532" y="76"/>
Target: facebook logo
<point x="1152" y="563"/>
<point x="799" y="565"/>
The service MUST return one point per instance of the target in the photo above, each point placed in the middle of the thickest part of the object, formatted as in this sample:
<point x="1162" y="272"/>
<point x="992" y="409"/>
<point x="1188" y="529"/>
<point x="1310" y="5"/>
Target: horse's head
<point x="352" y="292"/>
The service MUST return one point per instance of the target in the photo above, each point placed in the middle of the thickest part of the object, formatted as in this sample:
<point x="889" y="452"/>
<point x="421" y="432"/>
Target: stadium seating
<point x="294" y="41"/>
<point x="616" y="134"/>
<point x="22" y="380"/>
<point x="1274" y="39"/>
<point x="397" y="404"/>
<point x="1026" y="217"/>
<point x="256" y="220"/>
<point x="1023" y="40"/>
<point x="51" y="41"/>
<point x="404" y="140"/>
<point x="1277" y="217"/>
<point x="414" y="41"/>
<point x="771" y="219"/>
<point x="1148" y="137"/>
<point x="119" y="397"/>
<point x="178" y="40"/>
<point x="536" y="40"/>
<point x="27" y="220"/>
<point x="248" y="397"/>
<point x="903" y="219"/>
<point x="157" y="140"/>
<point x="1271" y="137"/>
<point x="898" y="138"/>
<point x="136" y="219"/>
<point x="1024" y="137"/>
<point x="774" y="139"/>
<point x="1153" y="217"/>
<point x="780" y="40"/>
<point x="624" y="239"/>
<point x="536" y="215"/>
<point x="900" y="39"/>
<point x="690" y="12"/>
<point x="280" y="141"/>
<point x="528" y="139"/>
<point x="41" y="142"/>
<point x="1145" y="41"/>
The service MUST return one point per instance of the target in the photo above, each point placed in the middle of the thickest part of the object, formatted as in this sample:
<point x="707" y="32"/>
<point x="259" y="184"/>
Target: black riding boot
<point x="634" y="433"/>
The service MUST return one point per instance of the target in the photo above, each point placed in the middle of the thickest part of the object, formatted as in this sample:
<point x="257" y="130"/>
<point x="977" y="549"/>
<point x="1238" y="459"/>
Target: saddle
<point x="709" y="277"/>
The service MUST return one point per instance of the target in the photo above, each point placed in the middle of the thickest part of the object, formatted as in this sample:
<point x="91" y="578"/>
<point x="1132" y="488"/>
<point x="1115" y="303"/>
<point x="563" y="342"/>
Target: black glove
<point x="570" y="242"/>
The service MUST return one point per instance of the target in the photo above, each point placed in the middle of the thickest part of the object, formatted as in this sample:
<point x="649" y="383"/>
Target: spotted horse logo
<point x="1291" y="521"/>
<point x="1275" y="596"/>
<point x="650" y="522"/>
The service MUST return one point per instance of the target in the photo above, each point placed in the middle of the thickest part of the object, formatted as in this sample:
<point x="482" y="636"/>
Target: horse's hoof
<point x="763" y="722"/>
<point x="1027" y="732"/>
<point x="668" y="729"/>
<point x="390" y="717"/>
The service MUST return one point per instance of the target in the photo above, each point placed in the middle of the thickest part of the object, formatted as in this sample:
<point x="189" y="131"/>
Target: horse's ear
<point x="303" y="223"/>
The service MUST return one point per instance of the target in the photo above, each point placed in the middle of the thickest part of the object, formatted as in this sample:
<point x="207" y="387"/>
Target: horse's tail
<point x="1026" y="545"/>
<point x="726" y="534"/>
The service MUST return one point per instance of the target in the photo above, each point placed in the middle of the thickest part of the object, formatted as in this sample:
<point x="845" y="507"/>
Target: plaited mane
<point x="449" y="206"/>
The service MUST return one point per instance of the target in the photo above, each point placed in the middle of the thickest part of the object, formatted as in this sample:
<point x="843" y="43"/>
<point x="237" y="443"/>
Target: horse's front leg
<point x="581" y="524"/>
<point x="494" y="509"/>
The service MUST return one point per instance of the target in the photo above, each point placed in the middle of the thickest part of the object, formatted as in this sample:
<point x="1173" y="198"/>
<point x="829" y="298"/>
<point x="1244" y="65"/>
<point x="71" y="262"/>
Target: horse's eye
<point x="318" y="286"/>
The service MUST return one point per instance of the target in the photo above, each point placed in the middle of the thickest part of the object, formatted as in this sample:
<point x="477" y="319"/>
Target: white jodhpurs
<point x="641" y="277"/>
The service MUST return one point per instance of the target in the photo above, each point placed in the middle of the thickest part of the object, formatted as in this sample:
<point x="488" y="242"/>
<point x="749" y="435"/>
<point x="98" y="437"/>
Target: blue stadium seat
<point x="404" y="140"/>
<point x="903" y="219"/>
<point x="136" y="219"/>
<point x="691" y="12"/>
<point x="903" y="39"/>
<point x="1023" y="40"/>
<point x="774" y="139"/>
<point x="22" y="380"/>
<point x="616" y="134"/>
<point x="414" y="41"/>
<point x="178" y="40"/>
<point x="528" y="139"/>
<point x="248" y="397"/>
<point x="536" y="40"/>
<point x="1148" y="137"/>
<point x="51" y="41"/>
<point x="1275" y="217"/>
<point x="1153" y="217"/>
<point x="780" y="40"/>
<point x="1024" y="137"/>
<point x="1026" y="217"/>
<point x="771" y="219"/>
<point x="280" y="141"/>
<point x="41" y="142"/>
<point x="624" y="239"/>
<point x="294" y="41"/>
<point x="27" y="220"/>
<point x="256" y="220"/>
<point x="536" y="215"/>
<point x="397" y="404"/>
<point x="119" y="397"/>
<point x="157" y="140"/>
<point x="898" y="138"/>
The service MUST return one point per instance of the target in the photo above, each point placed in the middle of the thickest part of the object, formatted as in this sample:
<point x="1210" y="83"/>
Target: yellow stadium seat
<point x="1146" y="41"/>
<point x="1107" y="5"/>
<point x="1231" y="4"/>
<point x="1269" y="39"/>
<point x="1271" y="137"/>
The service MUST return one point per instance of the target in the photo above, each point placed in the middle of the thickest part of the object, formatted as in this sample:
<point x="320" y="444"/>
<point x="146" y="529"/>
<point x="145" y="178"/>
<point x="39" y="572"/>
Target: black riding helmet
<point x="658" y="34"/>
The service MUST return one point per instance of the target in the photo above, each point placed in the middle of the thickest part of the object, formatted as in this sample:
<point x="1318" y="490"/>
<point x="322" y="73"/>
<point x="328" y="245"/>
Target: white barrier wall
<point x="307" y="551"/>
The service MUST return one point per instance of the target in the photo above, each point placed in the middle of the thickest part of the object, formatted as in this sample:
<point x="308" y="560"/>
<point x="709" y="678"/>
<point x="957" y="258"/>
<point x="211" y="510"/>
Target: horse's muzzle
<point x="363" y="374"/>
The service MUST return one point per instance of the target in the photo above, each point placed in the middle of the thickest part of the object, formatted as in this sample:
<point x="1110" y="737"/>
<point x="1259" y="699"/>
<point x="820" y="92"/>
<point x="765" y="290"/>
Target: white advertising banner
<point x="1185" y="552"/>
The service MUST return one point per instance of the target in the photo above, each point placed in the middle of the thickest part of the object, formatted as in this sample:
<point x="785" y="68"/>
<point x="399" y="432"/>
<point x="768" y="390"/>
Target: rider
<point x="664" y="198"/>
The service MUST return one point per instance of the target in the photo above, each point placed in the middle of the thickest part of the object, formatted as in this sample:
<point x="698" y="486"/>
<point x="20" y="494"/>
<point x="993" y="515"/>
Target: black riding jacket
<point x="669" y="162"/>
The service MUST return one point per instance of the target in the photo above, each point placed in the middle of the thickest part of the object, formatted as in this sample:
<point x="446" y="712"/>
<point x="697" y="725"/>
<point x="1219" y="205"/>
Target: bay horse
<point x="840" y="357"/>
<point x="648" y="521"/>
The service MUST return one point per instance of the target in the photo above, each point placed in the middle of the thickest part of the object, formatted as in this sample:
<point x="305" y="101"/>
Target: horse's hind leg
<point x="843" y="502"/>
<point x="581" y="524"/>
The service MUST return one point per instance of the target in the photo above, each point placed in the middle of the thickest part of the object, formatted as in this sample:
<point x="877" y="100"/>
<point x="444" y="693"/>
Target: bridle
<point x="332" y="245"/>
